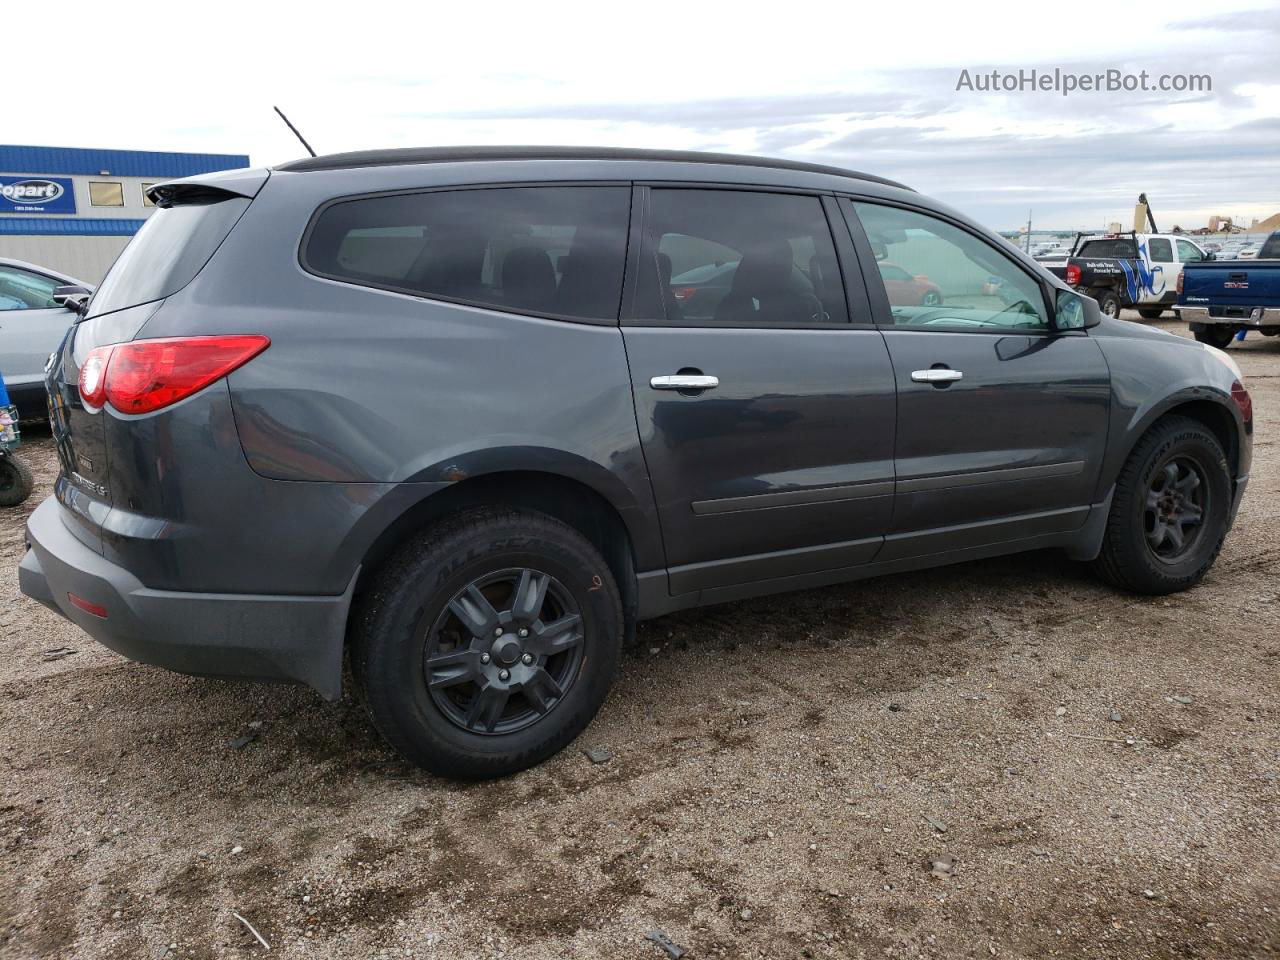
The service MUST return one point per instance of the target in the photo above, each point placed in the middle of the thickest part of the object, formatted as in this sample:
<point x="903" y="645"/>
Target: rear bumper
<point x="1257" y="317"/>
<point x="235" y="636"/>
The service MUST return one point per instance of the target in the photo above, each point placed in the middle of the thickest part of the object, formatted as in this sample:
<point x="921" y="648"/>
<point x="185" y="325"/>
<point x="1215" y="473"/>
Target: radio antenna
<point x="295" y="130"/>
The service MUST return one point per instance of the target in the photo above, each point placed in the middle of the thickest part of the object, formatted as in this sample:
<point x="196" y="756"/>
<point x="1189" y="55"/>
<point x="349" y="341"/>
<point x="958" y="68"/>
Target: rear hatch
<point x="166" y="254"/>
<point x="1232" y="288"/>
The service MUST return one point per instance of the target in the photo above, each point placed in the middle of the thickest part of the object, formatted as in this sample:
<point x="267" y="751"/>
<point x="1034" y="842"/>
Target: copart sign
<point x="36" y="195"/>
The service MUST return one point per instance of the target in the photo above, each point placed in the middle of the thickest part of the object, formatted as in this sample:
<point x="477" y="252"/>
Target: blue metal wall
<point x="73" y="161"/>
<point x="62" y="226"/>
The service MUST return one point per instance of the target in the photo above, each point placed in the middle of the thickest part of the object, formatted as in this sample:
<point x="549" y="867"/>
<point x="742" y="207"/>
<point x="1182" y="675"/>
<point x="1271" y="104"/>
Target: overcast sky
<point x="870" y="86"/>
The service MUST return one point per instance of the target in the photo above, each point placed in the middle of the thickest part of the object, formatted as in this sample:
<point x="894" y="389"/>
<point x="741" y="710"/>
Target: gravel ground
<point x="1096" y="774"/>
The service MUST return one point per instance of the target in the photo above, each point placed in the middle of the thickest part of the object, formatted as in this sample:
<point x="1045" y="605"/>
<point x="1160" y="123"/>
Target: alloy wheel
<point x="1173" y="516"/>
<point x="504" y="651"/>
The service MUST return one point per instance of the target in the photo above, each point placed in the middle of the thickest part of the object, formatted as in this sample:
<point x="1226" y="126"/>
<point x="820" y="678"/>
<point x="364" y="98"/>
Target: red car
<point x="907" y="290"/>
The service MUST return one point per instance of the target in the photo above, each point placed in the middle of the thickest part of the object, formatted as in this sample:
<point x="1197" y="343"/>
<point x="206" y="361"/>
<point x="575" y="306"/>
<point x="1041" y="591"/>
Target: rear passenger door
<point x="763" y="392"/>
<point x="1002" y="421"/>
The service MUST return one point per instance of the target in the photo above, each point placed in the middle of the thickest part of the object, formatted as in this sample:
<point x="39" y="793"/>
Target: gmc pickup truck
<point x="1220" y="299"/>
<point x="1120" y="270"/>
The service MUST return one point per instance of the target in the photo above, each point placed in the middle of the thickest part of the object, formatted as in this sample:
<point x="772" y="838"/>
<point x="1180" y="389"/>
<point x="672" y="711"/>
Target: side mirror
<point x="1211" y="255"/>
<point x="71" y="295"/>
<point x="1074" y="312"/>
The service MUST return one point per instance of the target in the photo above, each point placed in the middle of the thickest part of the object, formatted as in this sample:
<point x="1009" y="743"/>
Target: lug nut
<point x="523" y="632"/>
<point x="497" y="631"/>
<point x="484" y="658"/>
<point x="504" y="674"/>
<point x="527" y="659"/>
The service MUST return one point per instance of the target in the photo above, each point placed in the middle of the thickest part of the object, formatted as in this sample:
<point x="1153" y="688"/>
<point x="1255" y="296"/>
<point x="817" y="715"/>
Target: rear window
<point x="166" y="254"/>
<point x="1119" y="247"/>
<point x="549" y="251"/>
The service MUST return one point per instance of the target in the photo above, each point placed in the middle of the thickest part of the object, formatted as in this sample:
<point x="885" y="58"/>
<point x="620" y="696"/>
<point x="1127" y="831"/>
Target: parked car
<point x="34" y="317"/>
<point x="1138" y="270"/>
<point x="908" y="289"/>
<point x="352" y="406"/>
<point x="1220" y="299"/>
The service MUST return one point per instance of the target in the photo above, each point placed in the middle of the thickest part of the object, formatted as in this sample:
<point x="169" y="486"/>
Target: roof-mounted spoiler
<point x="209" y="187"/>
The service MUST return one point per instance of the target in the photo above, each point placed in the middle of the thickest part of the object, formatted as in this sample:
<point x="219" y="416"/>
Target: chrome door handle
<point x="940" y="375"/>
<point x="682" y="381"/>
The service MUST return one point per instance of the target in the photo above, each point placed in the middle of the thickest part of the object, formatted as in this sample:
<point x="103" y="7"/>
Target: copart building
<point x="74" y="209"/>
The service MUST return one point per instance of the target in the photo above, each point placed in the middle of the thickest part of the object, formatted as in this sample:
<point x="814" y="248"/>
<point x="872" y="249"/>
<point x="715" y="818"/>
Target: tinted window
<point x="1188" y="252"/>
<point x="1159" y="250"/>
<point x="729" y="256"/>
<point x="23" y="290"/>
<point x="557" y="251"/>
<point x="939" y="276"/>
<point x="1271" y="249"/>
<point x="1120" y="247"/>
<point x="166" y="253"/>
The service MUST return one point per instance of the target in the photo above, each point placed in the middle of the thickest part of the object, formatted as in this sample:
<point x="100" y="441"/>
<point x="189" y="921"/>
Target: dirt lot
<point x="784" y="772"/>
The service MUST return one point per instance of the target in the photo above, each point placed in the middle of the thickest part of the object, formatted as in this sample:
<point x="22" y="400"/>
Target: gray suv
<point x="464" y="416"/>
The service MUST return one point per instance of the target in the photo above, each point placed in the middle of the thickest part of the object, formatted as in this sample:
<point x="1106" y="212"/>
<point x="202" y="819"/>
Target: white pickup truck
<point x="1120" y="270"/>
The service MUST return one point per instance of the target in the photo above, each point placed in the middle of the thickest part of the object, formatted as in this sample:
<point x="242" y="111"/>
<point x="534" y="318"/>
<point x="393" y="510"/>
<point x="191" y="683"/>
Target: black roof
<point x="406" y="155"/>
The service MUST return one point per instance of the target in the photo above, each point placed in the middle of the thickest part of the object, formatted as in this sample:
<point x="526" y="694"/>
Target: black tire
<point x="1216" y="336"/>
<point x="1108" y="301"/>
<point x="397" y="629"/>
<point x="16" y="481"/>
<point x="1151" y="313"/>
<point x="1129" y="559"/>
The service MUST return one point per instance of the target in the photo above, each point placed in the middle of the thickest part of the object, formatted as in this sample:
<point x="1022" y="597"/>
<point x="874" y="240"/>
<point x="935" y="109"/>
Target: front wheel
<point x="1151" y="313"/>
<point x="16" y="482"/>
<point x="489" y="644"/>
<point x="1218" y="335"/>
<point x="1170" y="510"/>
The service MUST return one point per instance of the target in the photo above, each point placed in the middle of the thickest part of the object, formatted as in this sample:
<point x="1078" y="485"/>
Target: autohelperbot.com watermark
<point x="1066" y="82"/>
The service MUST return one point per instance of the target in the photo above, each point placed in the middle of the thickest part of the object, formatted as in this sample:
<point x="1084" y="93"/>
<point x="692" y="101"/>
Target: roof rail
<point x="409" y="155"/>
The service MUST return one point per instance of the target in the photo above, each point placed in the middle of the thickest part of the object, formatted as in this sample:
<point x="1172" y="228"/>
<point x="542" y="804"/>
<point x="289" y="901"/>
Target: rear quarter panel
<point x="368" y="386"/>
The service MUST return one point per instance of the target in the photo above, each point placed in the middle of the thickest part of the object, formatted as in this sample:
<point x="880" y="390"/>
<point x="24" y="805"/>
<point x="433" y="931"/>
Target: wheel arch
<point x="1209" y="407"/>
<point x="567" y="498"/>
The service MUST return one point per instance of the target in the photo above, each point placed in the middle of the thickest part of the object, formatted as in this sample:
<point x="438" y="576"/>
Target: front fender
<point x="1149" y="379"/>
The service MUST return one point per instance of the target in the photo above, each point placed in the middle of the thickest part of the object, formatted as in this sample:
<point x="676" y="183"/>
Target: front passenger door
<point x="1002" y="421"/>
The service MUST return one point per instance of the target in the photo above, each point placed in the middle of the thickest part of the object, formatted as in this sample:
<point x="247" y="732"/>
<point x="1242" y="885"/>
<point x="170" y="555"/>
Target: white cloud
<point x="745" y="77"/>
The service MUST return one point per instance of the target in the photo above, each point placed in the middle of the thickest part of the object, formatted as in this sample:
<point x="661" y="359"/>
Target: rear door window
<point x="168" y="251"/>
<point x="1160" y="250"/>
<point x="741" y="257"/>
<point x="549" y="251"/>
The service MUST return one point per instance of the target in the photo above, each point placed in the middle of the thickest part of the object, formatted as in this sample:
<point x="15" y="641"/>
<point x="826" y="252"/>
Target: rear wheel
<point x="1170" y="510"/>
<point x="489" y="644"/>
<point x="16" y="482"/>
<point x="1151" y="313"/>
<point x="1108" y="302"/>
<point x="1216" y="336"/>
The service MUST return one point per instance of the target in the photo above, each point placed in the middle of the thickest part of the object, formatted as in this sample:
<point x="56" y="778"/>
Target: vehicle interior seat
<point x="762" y="289"/>
<point x="528" y="278"/>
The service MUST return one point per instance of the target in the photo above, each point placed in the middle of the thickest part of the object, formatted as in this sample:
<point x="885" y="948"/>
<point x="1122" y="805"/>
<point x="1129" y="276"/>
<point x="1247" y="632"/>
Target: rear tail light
<point x="142" y="376"/>
<point x="1242" y="399"/>
<point x="1073" y="274"/>
<point x="683" y="293"/>
<point x="1181" y="277"/>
